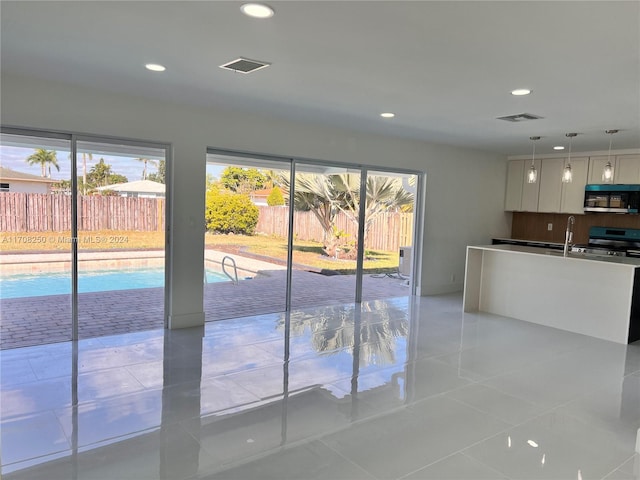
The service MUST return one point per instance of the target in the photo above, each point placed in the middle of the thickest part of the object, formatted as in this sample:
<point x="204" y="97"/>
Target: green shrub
<point x="230" y="213"/>
<point x="275" y="198"/>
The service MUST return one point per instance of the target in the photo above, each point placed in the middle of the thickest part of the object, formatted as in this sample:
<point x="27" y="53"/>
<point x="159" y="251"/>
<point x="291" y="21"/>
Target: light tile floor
<point x="404" y="388"/>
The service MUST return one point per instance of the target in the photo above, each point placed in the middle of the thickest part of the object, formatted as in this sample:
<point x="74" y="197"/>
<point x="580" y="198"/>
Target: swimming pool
<point x="59" y="283"/>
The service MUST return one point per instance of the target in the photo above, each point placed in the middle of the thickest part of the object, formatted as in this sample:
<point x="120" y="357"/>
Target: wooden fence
<point x="388" y="232"/>
<point x="36" y="212"/>
<point x="39" y="212"/>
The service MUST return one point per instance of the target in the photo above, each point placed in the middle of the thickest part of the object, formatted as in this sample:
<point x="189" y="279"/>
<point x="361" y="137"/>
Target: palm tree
<point x="100" y="173"/>
<point x="326" y="195"/>
<point x="146" y="161"/>
<point x="383" y="194"/>
<point x="43" y="158"/>
<point x="315" y="193"/>
<point x="85" y="156"/>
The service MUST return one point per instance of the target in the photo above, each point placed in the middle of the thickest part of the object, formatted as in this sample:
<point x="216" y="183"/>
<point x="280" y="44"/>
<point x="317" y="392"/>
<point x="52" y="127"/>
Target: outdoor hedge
<point x="275" y="198"/>
<point x="228" y="212"/>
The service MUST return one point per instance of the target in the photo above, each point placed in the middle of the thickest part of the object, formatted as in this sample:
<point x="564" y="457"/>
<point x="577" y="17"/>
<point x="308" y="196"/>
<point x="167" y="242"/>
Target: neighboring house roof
<point x="140" y="186"/>
<point x="262" y="193"/>
<point x="8" y="174"/>
<point x="259" y="197"/>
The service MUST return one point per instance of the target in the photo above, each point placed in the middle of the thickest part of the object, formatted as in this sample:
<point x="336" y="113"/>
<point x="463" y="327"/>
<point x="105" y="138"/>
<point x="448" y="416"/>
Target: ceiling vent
<point x="244" y="65"/>
<point x="520" y="117"/>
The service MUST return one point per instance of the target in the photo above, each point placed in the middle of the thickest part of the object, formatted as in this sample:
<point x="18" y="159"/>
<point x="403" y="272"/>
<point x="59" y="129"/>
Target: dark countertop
<point x="527" y="243"/>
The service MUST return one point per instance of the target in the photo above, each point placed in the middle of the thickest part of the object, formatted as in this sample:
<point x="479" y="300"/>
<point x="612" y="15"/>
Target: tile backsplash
<point x="534" y="226"/>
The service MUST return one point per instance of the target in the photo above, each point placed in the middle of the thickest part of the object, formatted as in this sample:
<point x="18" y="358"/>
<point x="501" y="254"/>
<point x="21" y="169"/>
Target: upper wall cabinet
<point x="513" y="193"/>
<point x="596" y="167"/>
<point x="521" y="196"/>
<point x="550" y="194"/>
<point x="530" y="191"/>
<point x="559" y="197"/>
<point x="626" y="169"/>
<point x="573" y="193"/>
<point x="550" y="179"/>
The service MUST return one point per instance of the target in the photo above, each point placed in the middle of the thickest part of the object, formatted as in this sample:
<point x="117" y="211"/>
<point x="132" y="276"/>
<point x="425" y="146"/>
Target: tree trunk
<point x="331" y="245"/>
<point x="84" y="173"/>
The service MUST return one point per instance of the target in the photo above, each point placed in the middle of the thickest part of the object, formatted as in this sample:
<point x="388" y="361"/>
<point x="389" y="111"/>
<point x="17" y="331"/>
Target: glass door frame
<point x="294" y="162"/>
<point x="73" y="139"/>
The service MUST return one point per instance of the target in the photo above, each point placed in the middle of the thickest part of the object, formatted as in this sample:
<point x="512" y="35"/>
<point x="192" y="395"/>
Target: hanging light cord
<point x="533" y="156"/>
<point x="610" y="133"/>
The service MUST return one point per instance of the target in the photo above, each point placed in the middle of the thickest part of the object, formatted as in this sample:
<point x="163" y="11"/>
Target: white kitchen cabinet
<point x="513" y="195"/>
<point x="521" y="196"/>
<point x="550" y="178"/>
<point x="556" y="196"/>
<point x="573" y="193"/>
<point x="530" y="191"/>
<point x="627" y="169"/>
<point x="596" y="166"/>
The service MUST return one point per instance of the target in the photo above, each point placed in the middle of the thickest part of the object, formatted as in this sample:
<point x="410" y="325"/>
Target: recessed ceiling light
<point x="387" y="115"/>
<point x="155" y="67"/>
<point x="257" y="10"/>
<point x="558" y="147"/>
<point x="521" y="91"/>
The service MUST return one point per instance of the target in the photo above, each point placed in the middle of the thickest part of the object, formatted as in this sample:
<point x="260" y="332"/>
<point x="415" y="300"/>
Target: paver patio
<point x="47" y="319"/>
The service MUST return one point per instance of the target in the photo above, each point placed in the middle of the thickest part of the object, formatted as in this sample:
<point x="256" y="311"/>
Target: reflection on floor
<point x="406" y="388"/>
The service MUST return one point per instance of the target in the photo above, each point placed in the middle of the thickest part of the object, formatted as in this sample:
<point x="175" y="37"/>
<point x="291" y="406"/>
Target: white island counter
<point x="595" y="296"/>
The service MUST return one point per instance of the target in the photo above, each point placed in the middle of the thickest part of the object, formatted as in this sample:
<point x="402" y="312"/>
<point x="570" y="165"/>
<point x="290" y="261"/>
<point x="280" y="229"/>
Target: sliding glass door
<point x="325" y="235"/>
<point x="389" y="218"/>
<point x="286" y="234"/>
<point x="35" y="239"/>
<point x="246" y="239"/>
<point x="82" y="231"/>
<point x="121" y="237"/>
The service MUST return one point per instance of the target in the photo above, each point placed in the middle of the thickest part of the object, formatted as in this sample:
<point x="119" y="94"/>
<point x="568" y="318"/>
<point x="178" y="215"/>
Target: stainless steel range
<point x="611" y="241"/>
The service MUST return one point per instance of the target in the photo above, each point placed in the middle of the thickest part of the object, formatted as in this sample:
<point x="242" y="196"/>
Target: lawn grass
<point x="305" y="253"/>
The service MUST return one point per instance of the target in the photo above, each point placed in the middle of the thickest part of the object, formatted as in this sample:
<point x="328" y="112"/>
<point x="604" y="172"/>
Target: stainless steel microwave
<point x="612" y="198"/>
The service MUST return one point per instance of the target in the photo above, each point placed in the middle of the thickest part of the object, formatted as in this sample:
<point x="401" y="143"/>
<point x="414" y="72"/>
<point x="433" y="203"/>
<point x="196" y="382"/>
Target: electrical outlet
<point x="549" y="227"/>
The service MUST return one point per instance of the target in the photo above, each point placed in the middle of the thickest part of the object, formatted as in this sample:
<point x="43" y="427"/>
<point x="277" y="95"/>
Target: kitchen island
<point x="595" y="296"/>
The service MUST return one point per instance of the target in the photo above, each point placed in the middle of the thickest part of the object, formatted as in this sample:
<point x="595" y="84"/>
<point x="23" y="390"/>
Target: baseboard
<point x="442" y="289"/>
<point x="186" y="321"/>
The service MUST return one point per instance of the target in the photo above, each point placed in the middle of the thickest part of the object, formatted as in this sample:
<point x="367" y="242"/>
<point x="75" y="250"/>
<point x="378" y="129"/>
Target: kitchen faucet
<point x="568" y="234"/>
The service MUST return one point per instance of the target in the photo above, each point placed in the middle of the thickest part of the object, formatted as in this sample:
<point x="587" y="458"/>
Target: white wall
<point x="27" y="187"/>
<point x="465" y="188"/>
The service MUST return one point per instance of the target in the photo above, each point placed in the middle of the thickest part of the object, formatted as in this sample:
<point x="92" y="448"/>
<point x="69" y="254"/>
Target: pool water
<point x="40" y="284"/>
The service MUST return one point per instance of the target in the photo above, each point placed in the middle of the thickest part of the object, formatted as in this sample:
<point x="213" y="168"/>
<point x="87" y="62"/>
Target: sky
<point x="15" y="159"/>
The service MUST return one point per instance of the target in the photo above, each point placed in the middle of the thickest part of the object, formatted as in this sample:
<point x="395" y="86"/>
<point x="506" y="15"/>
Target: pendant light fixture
<point x="567" y="174"/>
<point x="607" y="171"/>
<point x="532" y="175"/>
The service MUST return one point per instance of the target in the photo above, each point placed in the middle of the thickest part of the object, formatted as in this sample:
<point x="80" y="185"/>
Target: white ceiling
<point x="445" y="68"/>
